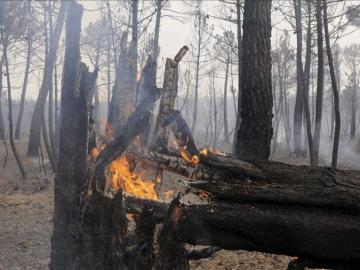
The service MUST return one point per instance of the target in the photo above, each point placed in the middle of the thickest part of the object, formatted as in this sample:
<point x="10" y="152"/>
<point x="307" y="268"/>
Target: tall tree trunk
<point x="96" y="93"/>
<point x="149" y="132"/>
<point x="56" y="110"/>
<point x="25" y="82"/>
<point x="72" y="168"/>
<point x="239" y="46"/>
<point x="157" y="29"/>
<point x="10" y="115"/>
<point x="35" y="128"/>
<point x="353" y="104"/>
<point x="226" y="128"/>
<point x="320" y="83"/>
<point x="112" y="34"/>
<point x="134" y="44"/>
<point x="334" y="88"/>
<point x="299" y="102"/>
<point x="307" y="88"/>
<point x="51" y="96"/>
<point x="254" y="136"/>
<point x="197" y="74"/>
<point x="2" y="125"/>
<point x="108" y="75"/>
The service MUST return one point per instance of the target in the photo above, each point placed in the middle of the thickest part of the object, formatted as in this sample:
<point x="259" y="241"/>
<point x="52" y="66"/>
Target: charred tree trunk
<point x="159" y="4"/>
<point x="71" y="175"/>
<point x="169" y="94"/>
<point x="254" y="136"/>
<point x="10" y="115"/>
<point x="299" y="102"/>
<point x="334" y="88"/>
<point x="35" y="128"/>
<point x="269" y="207"/>
<point x="51" y="97"/>
<point x="320" y="82"/>
<point x="307" y="88"/>
<point x="226" y="128"/>
<point x="2" y="124"/>
<point x="197" y="75"/>
<point x="239" y="48"/>
<point x="122" y="102"/>
<point x="353" y="103"/>
<point x="24" y="86"/>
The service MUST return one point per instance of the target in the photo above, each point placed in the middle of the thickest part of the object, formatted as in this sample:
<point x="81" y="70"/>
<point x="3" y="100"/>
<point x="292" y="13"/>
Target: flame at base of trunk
<point x="119" y="176"/>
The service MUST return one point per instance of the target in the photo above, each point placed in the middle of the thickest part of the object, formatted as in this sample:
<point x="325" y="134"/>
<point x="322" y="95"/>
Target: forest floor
<point x="26" y="209"/>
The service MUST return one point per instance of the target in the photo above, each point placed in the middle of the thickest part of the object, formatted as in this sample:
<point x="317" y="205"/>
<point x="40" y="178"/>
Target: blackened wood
<point x="134" y="126"/>
<point x="122" y="102"/>
<point x="311" y="212"/>
<point x="169" y="94"/>
<point x="72" y="167"/>
<point x="183" y="135"/>
<point x="137" y="249"/>
<point x="172" y="254"/>
<point x="103" y="225"/>
<point x="254" y="136"/>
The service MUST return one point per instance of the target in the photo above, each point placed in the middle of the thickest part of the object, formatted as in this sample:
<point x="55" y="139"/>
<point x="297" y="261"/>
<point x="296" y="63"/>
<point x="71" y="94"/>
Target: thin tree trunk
<point x="56" y="111"/>
<point x="226" y="128"/>
<point x="320" y="83"/>
<point x="307" y="88"/>
<point x="112" y="38"/>
<point x="134" y="44"/>
<point x="2" y="125"/>
<point x="10" y="115"/>
<point x="254" y="136"/>
<point x="157" y="30"/>
<point x="25" y="82"/>
<point x="299" y="102"/>
<point x="96" y="94"/>
<point x="239" y="49"/>
<point x="51" y="97"/>
<point x="353" y="105"/>
<point x="108" y="76"/>
<point x="197" y="74"/>
<point x="334" y="88"/>
<point x="35" y="128"/>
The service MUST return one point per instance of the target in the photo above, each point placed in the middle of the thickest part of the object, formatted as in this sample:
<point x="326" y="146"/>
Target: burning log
<point x="134" y="126"/>
<point x="272" y="207"/>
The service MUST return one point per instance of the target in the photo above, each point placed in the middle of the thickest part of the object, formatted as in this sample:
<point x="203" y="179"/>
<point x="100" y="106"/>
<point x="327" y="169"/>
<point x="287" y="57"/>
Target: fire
<point x="119" y="176"/>
<point x="168" y="195"/>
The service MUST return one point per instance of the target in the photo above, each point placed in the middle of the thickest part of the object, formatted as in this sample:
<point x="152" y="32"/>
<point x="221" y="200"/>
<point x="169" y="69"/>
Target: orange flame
<point x="168" y="194"/>
<point x="119" y="176"/>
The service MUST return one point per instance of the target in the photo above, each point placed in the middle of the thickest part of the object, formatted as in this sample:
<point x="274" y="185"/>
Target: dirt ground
<point x="26" y="224"/>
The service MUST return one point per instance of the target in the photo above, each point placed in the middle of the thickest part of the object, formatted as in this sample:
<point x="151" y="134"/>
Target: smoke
<point x="349" y="152"/>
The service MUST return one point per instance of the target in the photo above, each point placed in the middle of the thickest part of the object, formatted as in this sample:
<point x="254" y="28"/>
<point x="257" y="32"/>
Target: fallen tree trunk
<point x="311" y="212"/>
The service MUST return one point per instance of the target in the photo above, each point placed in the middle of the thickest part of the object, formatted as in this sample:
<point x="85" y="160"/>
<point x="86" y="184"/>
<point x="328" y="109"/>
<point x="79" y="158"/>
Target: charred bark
<point x="273" y="207"/>
<point x="254" y="135"/>
<point x="71" y="175"/>
<point x="320" y="81"/>
<point x="169" y="94"/>
<point x="24" y="86"/>
<point x="334" y="89"/>
<point x="172" y="253"/>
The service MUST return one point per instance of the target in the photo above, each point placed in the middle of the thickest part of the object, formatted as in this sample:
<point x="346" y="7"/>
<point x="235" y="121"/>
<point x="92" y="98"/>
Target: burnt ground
<point x="26" y="224"/>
